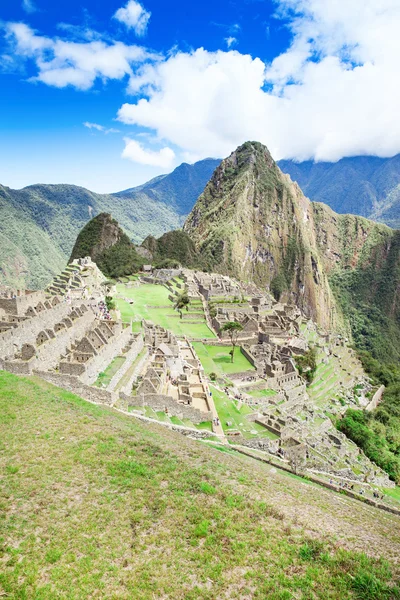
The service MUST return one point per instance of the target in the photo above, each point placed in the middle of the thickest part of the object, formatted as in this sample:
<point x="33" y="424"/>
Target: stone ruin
<point x="58" y="334"/>
<point x="81" y="279"/>
<point x="173" y="379"/>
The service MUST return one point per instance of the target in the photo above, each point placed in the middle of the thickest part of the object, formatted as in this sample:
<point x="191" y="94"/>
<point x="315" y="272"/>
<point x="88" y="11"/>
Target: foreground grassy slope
<point x="95" y="504"/>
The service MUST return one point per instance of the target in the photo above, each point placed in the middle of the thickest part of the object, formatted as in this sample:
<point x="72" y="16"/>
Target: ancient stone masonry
<point x="173" y="380"/>
<point x="67" y="336"/>
<point x="92" y="353"/>
<point x="272" y="336"/>
<point x="80" y="279"/>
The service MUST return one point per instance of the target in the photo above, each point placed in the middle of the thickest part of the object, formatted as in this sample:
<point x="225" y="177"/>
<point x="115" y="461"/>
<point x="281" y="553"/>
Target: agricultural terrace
<point x="151" y="302"/>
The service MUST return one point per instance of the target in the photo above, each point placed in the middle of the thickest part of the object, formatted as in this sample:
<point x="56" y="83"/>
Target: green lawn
<point x="261" y="393"/>
<point x="217" y="359"/>
<point x="96" y="504"/>
<point x="105" y="377"/>
<point x="149" y="302"/>
<point x="393" y="493"/>
<point x="125" y="378"/>
<point x="228" y="411"/>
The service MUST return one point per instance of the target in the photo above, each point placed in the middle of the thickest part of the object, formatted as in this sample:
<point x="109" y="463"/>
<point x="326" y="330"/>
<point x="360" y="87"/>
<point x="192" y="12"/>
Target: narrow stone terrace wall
<point x="74" y="385"/>
<point x="106" y="354"/>
<point x="159" y="402"/>
<point x="377" y="397"/>
<point x="130" y="356"/>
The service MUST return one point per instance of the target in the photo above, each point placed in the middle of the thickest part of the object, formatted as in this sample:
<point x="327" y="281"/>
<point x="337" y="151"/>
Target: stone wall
<point x="377" y="397"/>
<point x="134" y="375"/>
<point x="105" y="355"/>
<point x="20" y="304"/>
<point x="159" y="402"/>
<point x="187" y="431"/>
<point x="130" y="357"/>
<point x="48" y="353"/>
<point x="27" y="331"/>
<point x="74" y="385"/>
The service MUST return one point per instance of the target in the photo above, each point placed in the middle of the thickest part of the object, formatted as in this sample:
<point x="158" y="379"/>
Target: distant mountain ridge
<point x="39" y="224"/>
<point x="368" y="186"/>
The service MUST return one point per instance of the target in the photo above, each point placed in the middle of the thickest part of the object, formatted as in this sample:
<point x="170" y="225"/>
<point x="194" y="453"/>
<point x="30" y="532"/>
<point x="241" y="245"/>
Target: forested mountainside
<point x="104" y="241"/>
<point x="39" y="224"/>
<point x="362" y="185"/>
<point x="254" y="223"/>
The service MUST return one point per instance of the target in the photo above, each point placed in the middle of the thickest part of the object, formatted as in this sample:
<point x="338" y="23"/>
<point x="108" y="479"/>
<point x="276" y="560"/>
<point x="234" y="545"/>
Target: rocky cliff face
<point x="253" y="222"/>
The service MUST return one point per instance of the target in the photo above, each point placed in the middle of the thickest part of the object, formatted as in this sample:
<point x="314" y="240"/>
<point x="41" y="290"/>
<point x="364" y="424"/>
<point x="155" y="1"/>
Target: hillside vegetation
<point x="174" y="247"/>
<point x="108" y="246"/>
<point x="97" y="504"/>
<point x="39" y="224"/>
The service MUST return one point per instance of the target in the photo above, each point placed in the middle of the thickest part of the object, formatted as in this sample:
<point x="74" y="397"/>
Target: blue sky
<point x="109" y="94"/>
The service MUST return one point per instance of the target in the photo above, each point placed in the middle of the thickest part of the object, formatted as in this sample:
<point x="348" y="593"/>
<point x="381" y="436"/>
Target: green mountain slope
<point x="362" y="185"/>
<point x="40" y="223"/>
<point x="108" y="246"/>
<point x="96" y="504"/>
<point x="254" y="223"/>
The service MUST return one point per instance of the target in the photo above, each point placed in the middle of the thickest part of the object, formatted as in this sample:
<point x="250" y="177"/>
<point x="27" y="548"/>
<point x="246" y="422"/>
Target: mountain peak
<point x="249" y="154"/>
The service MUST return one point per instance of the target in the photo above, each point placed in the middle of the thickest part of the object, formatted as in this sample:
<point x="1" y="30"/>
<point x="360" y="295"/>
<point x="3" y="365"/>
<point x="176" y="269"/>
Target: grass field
<point x="217" y="359"/>
<point x="105" y="377"/>
<point x="94" y="504"/>
<point x="228" y="412"/>
<point x="261" y="393"/>
<point x="151" y="302"/>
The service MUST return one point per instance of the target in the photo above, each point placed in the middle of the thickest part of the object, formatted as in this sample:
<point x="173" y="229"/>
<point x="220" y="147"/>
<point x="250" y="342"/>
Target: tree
<point x="182" y="302"/>
<point x="233" y="329"/>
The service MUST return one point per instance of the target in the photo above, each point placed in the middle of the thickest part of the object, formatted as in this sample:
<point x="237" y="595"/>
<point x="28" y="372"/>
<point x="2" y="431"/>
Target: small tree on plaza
<point x="233" y="328"/>
<point x="182" y="302"/>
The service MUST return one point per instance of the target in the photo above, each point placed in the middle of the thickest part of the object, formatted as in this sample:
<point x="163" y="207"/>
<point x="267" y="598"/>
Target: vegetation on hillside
<point x="378" y="432"/>
<point x="97" y="504"/>
<point x="172" y="248"/>
<point x="307" y="364"/>
<point x="369" y="299"/>
<point x="39" y="224"/>
<point x="104" y="241"/>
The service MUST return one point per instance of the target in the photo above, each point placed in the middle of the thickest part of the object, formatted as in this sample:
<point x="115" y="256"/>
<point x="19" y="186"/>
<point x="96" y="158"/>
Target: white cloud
<point x="29" y="6"/>
<point x="134" y="16"/>
<point x="231" y="41"/>
<point x="335" y="91"/>
<point x="79" y="64"/>
<point x="101" y="128"/>
<point x="134" y="151"/>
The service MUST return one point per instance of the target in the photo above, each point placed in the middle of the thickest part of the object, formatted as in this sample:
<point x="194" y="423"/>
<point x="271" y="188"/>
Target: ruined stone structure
<point x="80" y="279"/>
<point x="173" y="380"/>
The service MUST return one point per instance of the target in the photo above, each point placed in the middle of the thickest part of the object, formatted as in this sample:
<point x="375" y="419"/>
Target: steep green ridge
<point x="254" y="223"/>
<point x="97" y="504"/>
<point x="362" y="185"/>
<point x="173" y="246"/>
<point x="39" y="224"/>
<point x="108" y="246"/>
